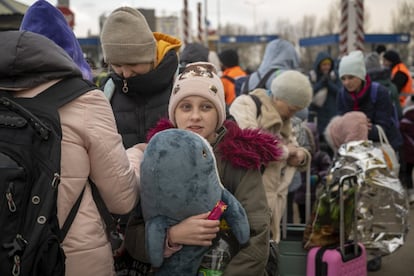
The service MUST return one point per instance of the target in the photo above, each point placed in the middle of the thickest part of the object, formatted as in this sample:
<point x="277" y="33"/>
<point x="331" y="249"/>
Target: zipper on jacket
<point x="125" y="86"/>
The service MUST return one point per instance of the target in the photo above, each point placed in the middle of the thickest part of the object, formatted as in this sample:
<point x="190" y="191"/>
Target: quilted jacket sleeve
<point x="110" y="168"/>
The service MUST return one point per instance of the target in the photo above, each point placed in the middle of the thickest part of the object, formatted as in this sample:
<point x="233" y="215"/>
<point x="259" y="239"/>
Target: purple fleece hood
<point x="45" y="19"/>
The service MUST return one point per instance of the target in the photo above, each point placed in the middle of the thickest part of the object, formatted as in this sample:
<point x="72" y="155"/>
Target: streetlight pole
<point x="218" y="26"/>
<point x="206" y="25"/>
<point x="254" y="5"/>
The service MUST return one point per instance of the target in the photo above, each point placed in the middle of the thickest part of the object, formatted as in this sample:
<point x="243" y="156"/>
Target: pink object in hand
<point x="217" y="211"/>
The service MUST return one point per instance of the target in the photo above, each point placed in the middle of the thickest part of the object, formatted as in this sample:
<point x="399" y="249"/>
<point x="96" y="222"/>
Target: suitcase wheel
<point x="374" y="264"/>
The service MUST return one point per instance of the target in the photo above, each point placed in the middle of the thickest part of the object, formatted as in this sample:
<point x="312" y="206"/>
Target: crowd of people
<point x="154" y="84"/>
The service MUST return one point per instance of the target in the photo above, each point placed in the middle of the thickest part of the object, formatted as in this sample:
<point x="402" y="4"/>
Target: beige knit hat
<point x="199" y="79"/>
<point x="292" y="87"/>
<point x="127" y="39"/>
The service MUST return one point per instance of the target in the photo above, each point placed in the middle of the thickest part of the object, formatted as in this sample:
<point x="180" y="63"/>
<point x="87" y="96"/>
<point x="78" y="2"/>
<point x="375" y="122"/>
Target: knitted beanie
<point x="194" y="52"/>
<point x="229" y="58"/>
<point x="353" y="64"/>
<point x="352" y="126"/>
<point x="127" y="39"/>
<point x="392" y="56"/>
<point x="198" y="79"/>
<point x="372" y="62"/>
<point x="292" y="87"/>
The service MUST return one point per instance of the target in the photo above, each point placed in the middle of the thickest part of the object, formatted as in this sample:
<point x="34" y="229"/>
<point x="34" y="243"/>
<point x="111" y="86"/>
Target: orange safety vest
<point x="407" y="89"/>
<point x="229" y="86"/>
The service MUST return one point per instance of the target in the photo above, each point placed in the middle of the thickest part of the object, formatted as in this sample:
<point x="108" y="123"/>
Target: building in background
<point x="168" y="25"/>
<point x="11" y="14"/>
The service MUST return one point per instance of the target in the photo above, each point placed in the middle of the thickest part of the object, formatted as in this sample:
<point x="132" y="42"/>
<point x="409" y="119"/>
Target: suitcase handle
<point x="308" y="206"/>
<point x="351" y="180"/>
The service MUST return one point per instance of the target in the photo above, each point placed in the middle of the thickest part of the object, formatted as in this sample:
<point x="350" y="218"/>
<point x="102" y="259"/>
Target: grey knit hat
<point x="127" y="39"/>
<point x="293" y="87"/>
<point x="372" y="62"/>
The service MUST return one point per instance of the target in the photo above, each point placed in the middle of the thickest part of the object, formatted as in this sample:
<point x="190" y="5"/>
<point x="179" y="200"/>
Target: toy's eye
<point x="204" y="153"/>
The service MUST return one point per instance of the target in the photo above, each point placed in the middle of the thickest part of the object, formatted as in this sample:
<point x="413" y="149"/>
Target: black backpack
<point x="30" y="141"/>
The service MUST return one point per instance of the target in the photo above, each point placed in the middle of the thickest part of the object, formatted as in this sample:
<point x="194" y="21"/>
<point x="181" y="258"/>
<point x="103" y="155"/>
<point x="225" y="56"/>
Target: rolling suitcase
<point x="348" y="259"/>
<point x="292" y="255"/>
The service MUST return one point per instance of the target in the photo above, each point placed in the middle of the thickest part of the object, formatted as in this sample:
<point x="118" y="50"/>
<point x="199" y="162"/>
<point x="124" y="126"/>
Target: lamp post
<point x="218" y="26"/>
<point x="206" y="25"/>
<point x="254" y="5"/>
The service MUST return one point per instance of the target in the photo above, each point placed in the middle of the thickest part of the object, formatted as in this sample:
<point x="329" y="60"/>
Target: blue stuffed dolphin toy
<point x="179" y="179"/>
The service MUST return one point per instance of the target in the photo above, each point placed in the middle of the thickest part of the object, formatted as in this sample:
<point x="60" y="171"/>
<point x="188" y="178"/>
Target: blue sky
<point x="243" y="12"/>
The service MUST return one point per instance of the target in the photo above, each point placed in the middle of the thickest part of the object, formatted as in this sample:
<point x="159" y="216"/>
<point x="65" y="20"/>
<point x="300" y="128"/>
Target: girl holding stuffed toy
<point x="197" y="104"/>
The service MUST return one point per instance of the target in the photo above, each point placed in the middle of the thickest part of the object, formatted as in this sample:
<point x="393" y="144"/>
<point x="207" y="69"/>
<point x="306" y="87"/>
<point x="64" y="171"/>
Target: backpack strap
<point x="58" y="95"/>
<point x="70" y="218"/>
<point x="262" y="82"/>
<point x="55" y="96"/>
<point x="245" y="89"/>
<point x="258" y="103"/>
<point x="374" y="91"/>
<point x="65" y="91"/>
<point x="109" y="88"/>
<point x="228" y="78"/>
<point x="342" y="93"/>
<point x="110" y="222"/>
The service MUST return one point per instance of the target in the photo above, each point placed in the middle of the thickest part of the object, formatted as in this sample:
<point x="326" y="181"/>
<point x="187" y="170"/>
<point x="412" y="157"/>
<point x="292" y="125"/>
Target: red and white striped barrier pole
<point x="359" y="31"/>
<point x="200" y="23"/>
<point x="343" y="28"/>
<point x="351" y="35"/>
<point x="185" y="23"/>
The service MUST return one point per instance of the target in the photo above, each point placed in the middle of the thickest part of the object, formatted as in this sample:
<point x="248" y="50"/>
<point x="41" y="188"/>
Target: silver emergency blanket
<point x="382" y="206"/>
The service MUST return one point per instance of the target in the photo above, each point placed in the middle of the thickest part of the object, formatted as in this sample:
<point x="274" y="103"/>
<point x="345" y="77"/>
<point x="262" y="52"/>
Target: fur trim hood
<point x="243" y="148"/>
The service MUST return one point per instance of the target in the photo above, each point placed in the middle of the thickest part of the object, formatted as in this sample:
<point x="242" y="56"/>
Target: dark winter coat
<point x="407" y="131"/>
<point x="139" y="102"/>
<point x="320" y="81"/>
<point x="193" y="52"/>
<point x="382" y="76"/>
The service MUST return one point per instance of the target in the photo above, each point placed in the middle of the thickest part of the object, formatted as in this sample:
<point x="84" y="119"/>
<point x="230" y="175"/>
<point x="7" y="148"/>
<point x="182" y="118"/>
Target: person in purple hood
<point x="45" y="19"/>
